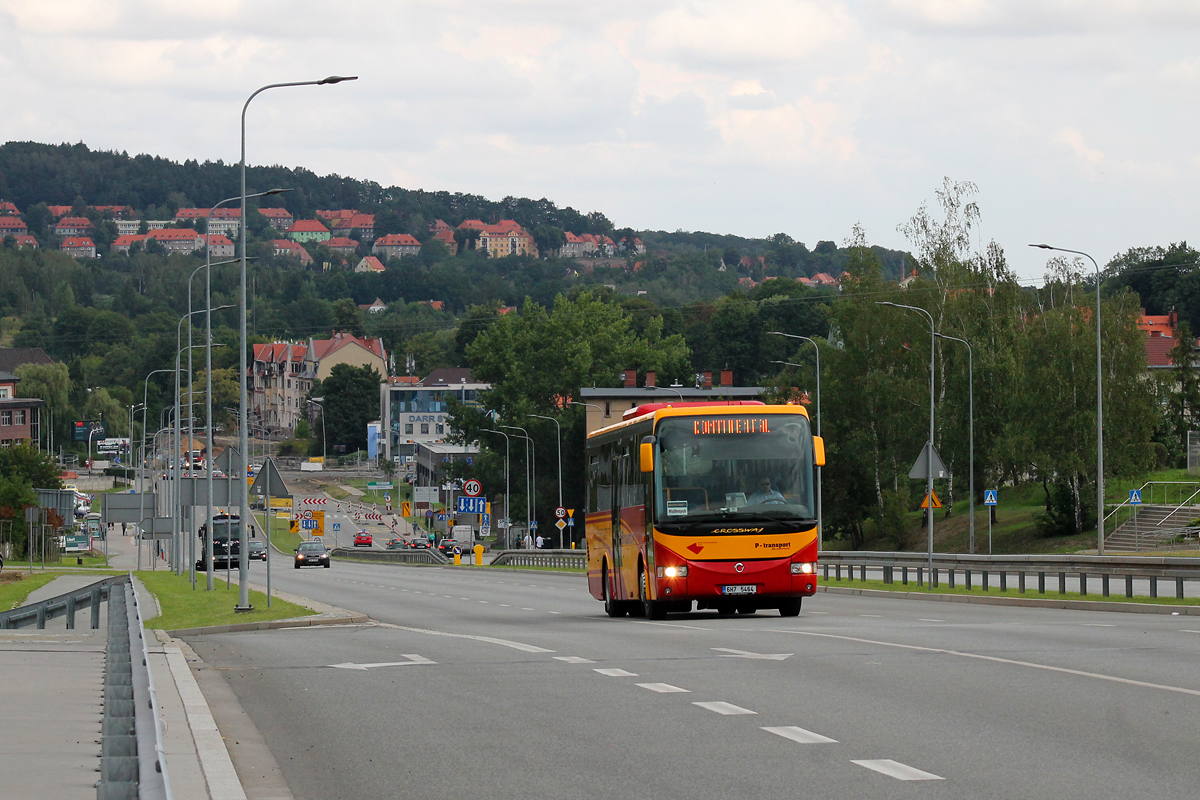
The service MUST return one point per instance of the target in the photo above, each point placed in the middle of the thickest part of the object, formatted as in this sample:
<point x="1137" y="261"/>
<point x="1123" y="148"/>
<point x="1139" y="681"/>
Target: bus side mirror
<point x="646" y="453"/>
<point x="819" y="450"/>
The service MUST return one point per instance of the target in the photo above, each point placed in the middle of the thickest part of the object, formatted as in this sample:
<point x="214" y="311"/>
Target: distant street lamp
<point x="243" y="397"/>
<point x="971" y="430"/>
<point x="530" y="483"/>
<point x="817" y="350"/>
<point x="1099" y="404"/>
<point x="561" y="534"/>
<point x="929" y="447"/>
<point x="507" y="496"/>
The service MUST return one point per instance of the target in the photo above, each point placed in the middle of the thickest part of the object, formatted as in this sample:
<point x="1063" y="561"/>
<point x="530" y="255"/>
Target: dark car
<point x="312" y="554"/>
<point x="397" y="544"/>
<point x="418" y="543"/>
<point x="446" y="546"/>
<point x="363" y="539"/>
<point x="256" y="550"/>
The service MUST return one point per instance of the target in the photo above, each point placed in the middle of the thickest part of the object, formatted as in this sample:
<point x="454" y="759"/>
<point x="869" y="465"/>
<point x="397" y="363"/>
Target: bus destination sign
<point x="703" y="427"/>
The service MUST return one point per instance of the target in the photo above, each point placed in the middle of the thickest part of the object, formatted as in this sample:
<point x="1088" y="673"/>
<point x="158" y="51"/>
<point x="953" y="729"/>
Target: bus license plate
<point x="748" y="588"/>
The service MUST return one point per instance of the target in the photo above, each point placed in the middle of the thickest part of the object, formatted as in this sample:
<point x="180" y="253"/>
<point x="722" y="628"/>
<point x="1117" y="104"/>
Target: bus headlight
<point x="672" y="572"/>
<point x="803" y="568"/>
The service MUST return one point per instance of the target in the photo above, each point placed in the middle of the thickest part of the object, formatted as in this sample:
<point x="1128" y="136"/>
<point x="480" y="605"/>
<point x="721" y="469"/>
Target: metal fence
<point x="995" y="572"/>
<point x="572" y="559"/>
<point x="406" y="556"/>
<point x="1193" y="452"/>
<point x="63" y="605"/>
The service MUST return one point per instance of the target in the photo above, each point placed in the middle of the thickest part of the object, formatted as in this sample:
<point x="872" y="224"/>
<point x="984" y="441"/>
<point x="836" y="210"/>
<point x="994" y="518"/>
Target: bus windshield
<point x="738" y="467"/>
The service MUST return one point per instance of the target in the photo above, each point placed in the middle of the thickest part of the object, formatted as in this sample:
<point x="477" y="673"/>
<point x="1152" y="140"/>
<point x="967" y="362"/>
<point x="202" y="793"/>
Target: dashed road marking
<point x="616" y="673"/>
<point x="728" y="709"/>
<point x="574" y="659"/>
<point x="800" y="735"/>
<point x="1098" y="625"/>
<point x="871" y="615"/>
<point x="931" y="620"/>
<point x="894" y="769"/>
<point x="662" y="688"/>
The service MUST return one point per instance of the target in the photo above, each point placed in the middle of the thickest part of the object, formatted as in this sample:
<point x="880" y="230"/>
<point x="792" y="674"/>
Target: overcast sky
<point x="1075" y="118"/>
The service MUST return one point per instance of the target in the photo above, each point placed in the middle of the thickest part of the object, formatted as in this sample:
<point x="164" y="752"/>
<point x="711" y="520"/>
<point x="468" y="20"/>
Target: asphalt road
<point x="506" y="684"/>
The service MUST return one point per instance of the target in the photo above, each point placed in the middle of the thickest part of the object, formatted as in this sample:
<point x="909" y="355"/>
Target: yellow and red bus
<point x="711" y="504"/>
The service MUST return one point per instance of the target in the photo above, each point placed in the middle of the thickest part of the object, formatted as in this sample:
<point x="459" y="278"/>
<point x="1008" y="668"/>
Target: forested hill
<point x="32" y="173"/>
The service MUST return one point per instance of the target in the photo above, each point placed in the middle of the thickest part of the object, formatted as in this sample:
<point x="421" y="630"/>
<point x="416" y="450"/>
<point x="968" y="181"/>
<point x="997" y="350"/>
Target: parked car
<point x="311" y="554"/>
<point x="256" y="550"/>
<point x="363" y="539"/>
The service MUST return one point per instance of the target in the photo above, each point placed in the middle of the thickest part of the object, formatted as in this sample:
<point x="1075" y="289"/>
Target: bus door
<point x="629" y="519"/>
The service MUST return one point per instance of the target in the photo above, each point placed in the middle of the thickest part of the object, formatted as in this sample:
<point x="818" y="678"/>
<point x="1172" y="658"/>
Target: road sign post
<point x="1135" y="500"/>
<point x="989" y="500"/>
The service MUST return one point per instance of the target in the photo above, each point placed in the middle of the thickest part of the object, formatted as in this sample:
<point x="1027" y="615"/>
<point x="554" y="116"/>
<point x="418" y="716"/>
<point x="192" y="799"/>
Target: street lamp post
<point x="929" y="447"/>
<point x="142" y="498"/>
<point x="507" y="496"/>
<point x="243" y="398"/>
<point x="817" y="350"/>
<point x="530" y="482"/>
<point x="970" y="429"/>
<point x="558" y="428"/>
<point x="1099" y="404"/>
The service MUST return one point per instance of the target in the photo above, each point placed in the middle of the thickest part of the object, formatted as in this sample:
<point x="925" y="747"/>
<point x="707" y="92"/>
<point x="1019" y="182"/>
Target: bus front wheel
<point x="651" y="609"/>
<point x="789" y="607"/>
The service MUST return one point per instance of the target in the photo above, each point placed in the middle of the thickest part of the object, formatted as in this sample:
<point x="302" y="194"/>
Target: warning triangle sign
<point x="936" y="502"/>
<point x="269" y="482"/>
<point x="920" y="469"/>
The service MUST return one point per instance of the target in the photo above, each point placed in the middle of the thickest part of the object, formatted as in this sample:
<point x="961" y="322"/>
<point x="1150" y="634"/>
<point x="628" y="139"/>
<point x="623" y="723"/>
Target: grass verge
<point x="184" y="607"/>
<point x="16" y="586"/>
<point x="1030" y="592"/>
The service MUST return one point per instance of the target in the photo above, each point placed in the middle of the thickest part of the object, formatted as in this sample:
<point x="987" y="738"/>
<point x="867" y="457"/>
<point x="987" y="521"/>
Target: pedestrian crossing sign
<point x="989" y="497"/>
<point x="1135" y="497"/>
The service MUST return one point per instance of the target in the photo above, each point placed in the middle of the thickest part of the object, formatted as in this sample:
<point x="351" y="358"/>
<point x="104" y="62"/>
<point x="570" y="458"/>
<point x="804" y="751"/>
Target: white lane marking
<point x="894" y="769"/>
<point x="505" y="605"/>
<point x="464" y="598"/>
<point x="1098" y="625"/>
<point x="526" y="609"/>
<point x="731" y="653"/>
<point x="871" y="615"/>
<point x="483" y="601"/>
<point x="998" y="660"/>
<point x="1185" y="630"/>
<point x="574" y="660"/>
<point x="817" y="612"/>
<point x="728" y="709"/>
<point x="553" y="612"/>
<point x="617" y="673"/>
<point x="931" y="620"/>
<point x="662" y="688"/>
<point x="412" y="660"/>
<point x="526" y="648"/>
<point x="800" y="735"/>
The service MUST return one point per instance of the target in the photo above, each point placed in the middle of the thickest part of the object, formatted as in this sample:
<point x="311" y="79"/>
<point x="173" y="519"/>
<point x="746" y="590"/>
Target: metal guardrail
<point x="575" y="559"/>
<point x="63" y="605"/>
<point x="948" y="565"/>
<point x="409" y="556"/>
<point x="133" y="764"/>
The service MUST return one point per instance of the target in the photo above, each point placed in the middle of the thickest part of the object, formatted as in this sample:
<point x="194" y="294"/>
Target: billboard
<point x="83" y="427"/>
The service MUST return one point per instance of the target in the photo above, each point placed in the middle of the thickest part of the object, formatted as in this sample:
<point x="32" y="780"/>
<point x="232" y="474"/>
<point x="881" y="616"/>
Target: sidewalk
<point x="52" y="704"/>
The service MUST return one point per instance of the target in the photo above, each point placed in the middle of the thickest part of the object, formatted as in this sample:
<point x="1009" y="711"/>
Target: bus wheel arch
<point x="611" y="607"/>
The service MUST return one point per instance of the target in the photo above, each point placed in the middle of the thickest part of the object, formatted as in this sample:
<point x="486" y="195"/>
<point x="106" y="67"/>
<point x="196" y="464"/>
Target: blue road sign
<point x="442" y="516"/>
<point x="533" y="525"/>
<point x="457" y="550"/>
<point x="337" y="526"/>
<point x="471" y="505"/>
<point x="571" y="521"/>
<point x="989" y="497"/>
<point x="1135" y="497"/>
<point x="487" y="519"/>
<point x="429" y="515"/>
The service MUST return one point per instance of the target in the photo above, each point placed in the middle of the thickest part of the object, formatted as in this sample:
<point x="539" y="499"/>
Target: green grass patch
<point x="16" y="586"/>
<point x="281" y="536"/>
<point x="335" y="491"/>
<point x="1117" y="588"/>
<point x="185" y="607"/>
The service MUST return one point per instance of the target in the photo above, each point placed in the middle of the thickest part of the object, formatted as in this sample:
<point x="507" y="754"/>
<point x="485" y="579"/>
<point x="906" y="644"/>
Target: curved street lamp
<point x="243" y="397"/>
<point x="1099" y="404"/>
<point x="929" y="447"/>
<point x="817" y="350"/>
<point x="971" y="432"/>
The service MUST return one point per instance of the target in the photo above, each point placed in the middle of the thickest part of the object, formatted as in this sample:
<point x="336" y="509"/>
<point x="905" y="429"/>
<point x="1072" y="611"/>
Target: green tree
<point x="351" y="400"/>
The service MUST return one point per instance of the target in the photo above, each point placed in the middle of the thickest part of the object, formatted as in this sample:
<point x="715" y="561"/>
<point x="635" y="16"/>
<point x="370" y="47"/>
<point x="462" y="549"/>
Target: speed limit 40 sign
<point x="472" y="488"/>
